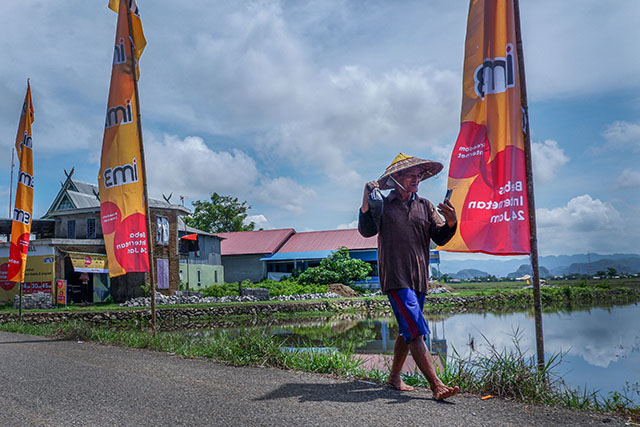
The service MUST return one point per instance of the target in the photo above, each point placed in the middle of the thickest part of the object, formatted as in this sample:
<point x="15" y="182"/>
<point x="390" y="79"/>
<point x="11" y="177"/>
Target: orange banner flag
<point x="23" y="208"/>
<point x="122" y="205"/>
<point x="487" y="171"/>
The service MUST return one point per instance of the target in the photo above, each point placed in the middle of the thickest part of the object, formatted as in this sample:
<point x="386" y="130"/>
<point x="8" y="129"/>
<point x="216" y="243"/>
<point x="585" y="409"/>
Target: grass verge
<point x="503" y="373"/>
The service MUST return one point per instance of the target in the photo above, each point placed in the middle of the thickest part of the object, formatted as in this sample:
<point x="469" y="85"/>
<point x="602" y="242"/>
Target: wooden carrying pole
<point x="533" y="237"/>
<point x="144" y="174"/>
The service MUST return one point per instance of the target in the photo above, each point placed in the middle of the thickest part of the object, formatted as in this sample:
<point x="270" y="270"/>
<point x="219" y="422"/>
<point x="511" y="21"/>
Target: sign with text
<point x="38" y="275"/>
<point x="487" y="171"/>
<point x="23" y="208"/>
<point x="61" y="292"/>
<point x="122" y="207"/>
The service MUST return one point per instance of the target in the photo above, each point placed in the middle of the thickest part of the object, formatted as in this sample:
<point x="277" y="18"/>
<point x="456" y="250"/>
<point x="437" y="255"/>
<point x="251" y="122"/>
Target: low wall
<point x="181" y="317"/>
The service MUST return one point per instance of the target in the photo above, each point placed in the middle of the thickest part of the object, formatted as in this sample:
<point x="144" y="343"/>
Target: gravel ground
<point x="50" y="382"/>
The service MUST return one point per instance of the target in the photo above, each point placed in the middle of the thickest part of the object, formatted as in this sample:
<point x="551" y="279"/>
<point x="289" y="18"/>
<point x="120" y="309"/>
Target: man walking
<point x="406" y="224"/>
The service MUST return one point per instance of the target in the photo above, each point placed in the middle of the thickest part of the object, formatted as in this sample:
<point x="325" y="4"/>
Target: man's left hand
<point x="447" y="210"/>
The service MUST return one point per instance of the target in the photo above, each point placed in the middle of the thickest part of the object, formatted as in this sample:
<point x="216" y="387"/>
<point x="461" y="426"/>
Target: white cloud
<point x="260" y="221"/>
<point x="188" y="167"/>
<point x="581" y="213"/>
<point x="623" y="135"/>
<point x="284" y="193"/>
<point x="629" y="178"/>
<point x="360" y="111"/>
<point x="547" y="158"/>
<point x="584" y="224"/>
<point x="564" y="56"/>
<point x="352" y="224"/>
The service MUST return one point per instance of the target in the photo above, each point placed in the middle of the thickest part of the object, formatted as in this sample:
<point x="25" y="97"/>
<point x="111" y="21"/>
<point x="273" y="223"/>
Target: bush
<point x="217" y="291"/>
<point x="339" y="267"/>
<point x="290" y="286"/>
<point x="287" y="286"/>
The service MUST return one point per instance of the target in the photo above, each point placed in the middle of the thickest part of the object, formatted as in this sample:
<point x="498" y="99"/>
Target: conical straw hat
<point x="403" y="162"/>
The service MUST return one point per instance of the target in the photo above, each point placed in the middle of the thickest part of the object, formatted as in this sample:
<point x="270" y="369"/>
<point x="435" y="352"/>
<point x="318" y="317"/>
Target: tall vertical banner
<point x="487" y="171"/>
<point x="23" y="208"/>
<point x="122" y="204"/>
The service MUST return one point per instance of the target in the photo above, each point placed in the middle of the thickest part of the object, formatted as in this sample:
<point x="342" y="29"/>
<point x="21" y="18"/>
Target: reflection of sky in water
<point x="601" y="346"/>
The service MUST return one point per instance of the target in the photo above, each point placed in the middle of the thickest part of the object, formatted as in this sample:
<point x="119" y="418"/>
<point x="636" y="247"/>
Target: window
<point x="91" y="228"/>
<point x="199" y="282"/>
<point x="71" y="229"/>
<point x="215" y="276"/>
<point x="162" y="231"/>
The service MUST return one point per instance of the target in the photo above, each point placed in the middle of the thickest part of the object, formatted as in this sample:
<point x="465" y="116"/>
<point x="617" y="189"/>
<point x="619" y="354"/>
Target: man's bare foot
<point x="398" y="384"/>
<point x="441" y="391"/>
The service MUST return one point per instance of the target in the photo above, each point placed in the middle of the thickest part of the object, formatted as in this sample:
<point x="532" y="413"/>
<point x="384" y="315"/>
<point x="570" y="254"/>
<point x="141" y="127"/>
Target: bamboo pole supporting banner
<point x="150" y="243"/>
<point x="20" y="304"/>
<point x="533" y="237"/>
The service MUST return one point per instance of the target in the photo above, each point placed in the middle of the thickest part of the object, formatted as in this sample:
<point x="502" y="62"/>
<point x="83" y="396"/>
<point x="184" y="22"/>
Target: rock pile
<point x="305" y="297"/>
<point x="343" y="290"/>
<point x="442" y="290"/>
<point x="180" y="298"/>
<point x="261" y="294"/>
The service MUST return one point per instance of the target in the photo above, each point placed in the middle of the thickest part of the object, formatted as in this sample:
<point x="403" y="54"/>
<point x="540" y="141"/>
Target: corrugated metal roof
<point x="364" y="255"/>
<point x="84" y="187"/>
<point x="328" y="241"/>
<point x="254" y="242"/>
<point x="84" y="200"/>
<point x="85" y="197"/>
<point x="186" y="229"/>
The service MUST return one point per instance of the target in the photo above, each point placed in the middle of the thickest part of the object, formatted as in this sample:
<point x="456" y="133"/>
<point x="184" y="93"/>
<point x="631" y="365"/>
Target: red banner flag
<point x="23" y="208"/>
<point x="122" y="205"/>
<point x="487" y="171"/>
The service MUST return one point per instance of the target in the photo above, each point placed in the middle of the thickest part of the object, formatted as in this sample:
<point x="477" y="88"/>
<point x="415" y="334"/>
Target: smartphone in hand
<point x="448" y="195"/>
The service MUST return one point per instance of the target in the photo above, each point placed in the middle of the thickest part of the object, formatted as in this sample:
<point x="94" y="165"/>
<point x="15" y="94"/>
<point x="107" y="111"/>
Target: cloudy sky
<point x="294" y="105"/>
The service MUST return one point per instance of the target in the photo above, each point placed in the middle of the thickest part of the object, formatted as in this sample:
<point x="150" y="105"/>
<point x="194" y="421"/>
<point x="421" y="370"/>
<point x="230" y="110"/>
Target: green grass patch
<point x="504" y="373"/>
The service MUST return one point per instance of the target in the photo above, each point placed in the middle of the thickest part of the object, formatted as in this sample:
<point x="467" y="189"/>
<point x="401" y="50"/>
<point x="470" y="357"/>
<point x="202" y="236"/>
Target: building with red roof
<point x="242" y="252"/>
<point x="256" y="255"/>
<point x="307" y="249"/>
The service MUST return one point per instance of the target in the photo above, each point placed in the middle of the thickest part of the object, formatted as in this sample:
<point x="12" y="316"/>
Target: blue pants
<point x="407" y="306"/>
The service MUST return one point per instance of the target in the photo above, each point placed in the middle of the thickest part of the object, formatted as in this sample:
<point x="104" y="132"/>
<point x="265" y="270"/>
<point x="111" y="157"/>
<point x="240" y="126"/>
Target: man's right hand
<point x="368" y="188"/>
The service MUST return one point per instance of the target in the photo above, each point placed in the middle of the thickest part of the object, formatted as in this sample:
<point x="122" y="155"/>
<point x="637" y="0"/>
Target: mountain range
<point x="556" y="265"/>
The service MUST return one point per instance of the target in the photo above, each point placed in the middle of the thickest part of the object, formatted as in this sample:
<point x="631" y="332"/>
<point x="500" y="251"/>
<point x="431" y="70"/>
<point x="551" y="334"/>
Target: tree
<point x="612" y="271"/>
<point x="221" y="214"/>
<point x="338" y="267"/>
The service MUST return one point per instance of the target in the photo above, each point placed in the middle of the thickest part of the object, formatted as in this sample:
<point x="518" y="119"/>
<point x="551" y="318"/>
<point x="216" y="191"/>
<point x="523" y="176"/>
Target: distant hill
<point x="526" y="269"/>
<point x="556" y="264"/>
<point x="469" y="273"/>
<point x="623" y="265"/>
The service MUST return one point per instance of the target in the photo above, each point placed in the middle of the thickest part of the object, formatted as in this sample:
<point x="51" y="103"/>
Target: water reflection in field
<point x="600" y="346"/>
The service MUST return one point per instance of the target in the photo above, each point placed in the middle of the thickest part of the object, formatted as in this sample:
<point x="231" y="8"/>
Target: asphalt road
<point x="61" y="383"/>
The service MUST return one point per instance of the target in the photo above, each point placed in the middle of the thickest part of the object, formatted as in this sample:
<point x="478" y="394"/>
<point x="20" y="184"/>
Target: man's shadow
<point x="347" y="392"/>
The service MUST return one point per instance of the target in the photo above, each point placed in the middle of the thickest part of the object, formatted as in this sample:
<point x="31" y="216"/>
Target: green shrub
<point x="339" y="267"/>
<point x="223" y="290"/>
<point x="290" y="286"/>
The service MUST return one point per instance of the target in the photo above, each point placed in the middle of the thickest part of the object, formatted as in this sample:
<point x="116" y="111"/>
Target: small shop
<point x="87" y="276"/>
<point x="38" y="276"/>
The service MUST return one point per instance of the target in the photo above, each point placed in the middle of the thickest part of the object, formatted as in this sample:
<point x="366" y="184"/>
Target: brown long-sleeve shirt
<point x="405" y="231"/>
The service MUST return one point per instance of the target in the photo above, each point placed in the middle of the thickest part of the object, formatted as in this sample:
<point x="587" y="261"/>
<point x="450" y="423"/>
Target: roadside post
<point x="61" y="292"/>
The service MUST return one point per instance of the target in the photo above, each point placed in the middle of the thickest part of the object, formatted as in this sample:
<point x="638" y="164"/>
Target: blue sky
<point x="294" y="105"/>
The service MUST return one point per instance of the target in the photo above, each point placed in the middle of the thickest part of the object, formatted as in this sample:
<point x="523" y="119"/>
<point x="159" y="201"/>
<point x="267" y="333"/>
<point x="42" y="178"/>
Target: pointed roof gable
<point x="254" y="242"/>
<point x="75" y="194"/>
